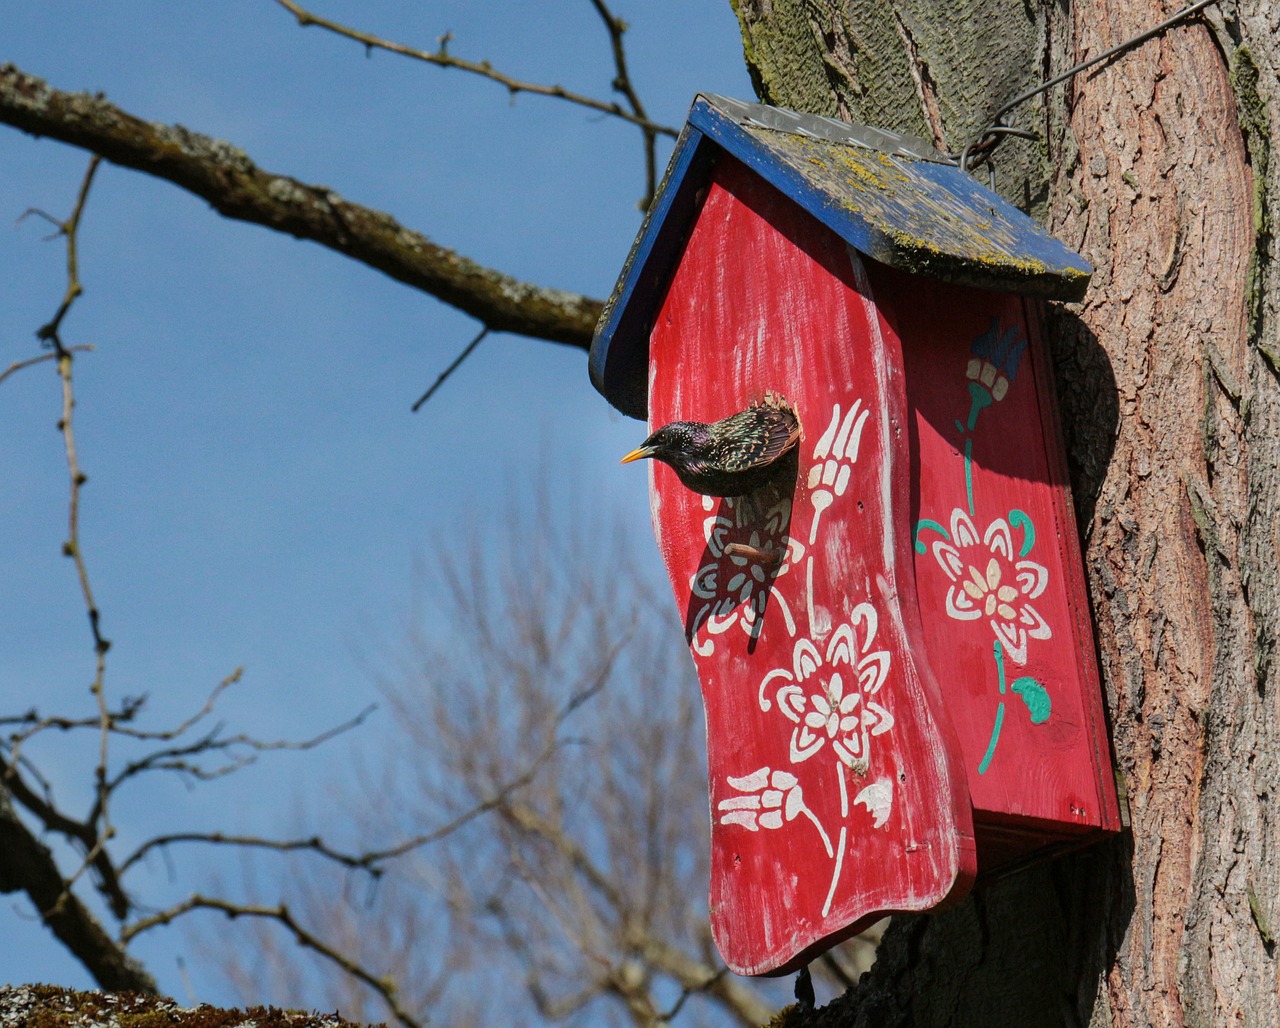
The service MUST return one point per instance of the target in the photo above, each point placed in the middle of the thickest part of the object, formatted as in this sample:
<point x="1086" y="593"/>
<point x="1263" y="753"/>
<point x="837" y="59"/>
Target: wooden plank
<point x="1002" y="598"/>
<point x="835" y="792"/>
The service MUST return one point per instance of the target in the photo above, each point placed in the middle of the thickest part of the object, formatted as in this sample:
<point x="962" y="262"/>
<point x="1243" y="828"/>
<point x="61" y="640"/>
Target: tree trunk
<point x="1156" y="166"/>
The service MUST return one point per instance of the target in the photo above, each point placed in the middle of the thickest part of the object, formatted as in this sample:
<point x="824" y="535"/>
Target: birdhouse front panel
<point x="837" y="793"/>
<point x="892" y="633"/>
<point x="998" y="568"/>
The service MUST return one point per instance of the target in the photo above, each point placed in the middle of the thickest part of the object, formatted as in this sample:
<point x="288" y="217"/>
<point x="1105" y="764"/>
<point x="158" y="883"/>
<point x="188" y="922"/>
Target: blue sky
<point x="258" y="488"/>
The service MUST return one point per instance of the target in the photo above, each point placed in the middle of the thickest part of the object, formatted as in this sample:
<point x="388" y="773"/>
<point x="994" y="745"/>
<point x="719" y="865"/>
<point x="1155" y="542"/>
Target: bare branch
<point x="357" y="862"/>
<point x="616" y="27"/>
<point x="501" y="798"/>
<point x="236" y="187"/>
<point x="28" y="866"/>
<point x="382" y="985"/>
<point x="173" y="758"/>
<point x="17" y="366"/>
<point x="92" y="833"/>
<point x="84" y="834"/>
<point x="443" y="59"/>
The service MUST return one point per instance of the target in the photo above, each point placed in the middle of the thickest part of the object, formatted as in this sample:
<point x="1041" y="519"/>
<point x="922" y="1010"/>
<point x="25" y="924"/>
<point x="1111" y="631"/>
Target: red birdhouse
<point x="893" y="641"/>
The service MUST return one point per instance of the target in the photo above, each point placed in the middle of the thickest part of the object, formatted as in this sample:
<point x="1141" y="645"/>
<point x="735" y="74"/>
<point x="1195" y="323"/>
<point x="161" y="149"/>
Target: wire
<point x="994" y="134"/>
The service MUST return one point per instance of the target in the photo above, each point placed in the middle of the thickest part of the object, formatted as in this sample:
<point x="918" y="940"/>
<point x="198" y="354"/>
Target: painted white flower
<point x="988" y="581"/>
<point x="738" y="585"/>
<point x="827" y="694"/>
<point x="768" y="799"/>
<point x="833" y="458"/>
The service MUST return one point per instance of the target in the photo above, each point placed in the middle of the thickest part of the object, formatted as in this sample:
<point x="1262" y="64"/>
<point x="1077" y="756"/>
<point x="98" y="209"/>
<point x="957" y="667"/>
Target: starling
<point x="731" y="457"/>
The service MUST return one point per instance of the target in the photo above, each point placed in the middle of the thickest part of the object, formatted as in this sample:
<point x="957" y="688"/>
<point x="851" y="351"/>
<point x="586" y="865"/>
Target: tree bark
<point x="1157" y="166"/>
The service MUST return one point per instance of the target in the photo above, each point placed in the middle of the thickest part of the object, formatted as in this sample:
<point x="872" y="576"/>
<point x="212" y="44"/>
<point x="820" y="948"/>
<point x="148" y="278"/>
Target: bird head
<point x="682" y="444"/>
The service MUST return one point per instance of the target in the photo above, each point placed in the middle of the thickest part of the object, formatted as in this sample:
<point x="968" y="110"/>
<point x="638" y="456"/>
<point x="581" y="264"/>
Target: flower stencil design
<point x="767" y="799"/>
<point x="829" y="692"/>
<point x="738" y="584"/>
<point x="993" y="366"/>
<point x="833" y="458"/>
<point x="989" y="581"/>
<point x="827" y="695"/>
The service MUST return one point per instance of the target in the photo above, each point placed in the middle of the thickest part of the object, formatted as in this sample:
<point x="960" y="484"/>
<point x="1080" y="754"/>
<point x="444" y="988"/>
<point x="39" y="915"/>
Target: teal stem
<point x="998" y="652"/>
<point x="1019" y="519"/>
<point x="995" y="737"/>
<point x="921" y="525"/>
<point x="981" y="400"/>
<point x="968" y="472"/>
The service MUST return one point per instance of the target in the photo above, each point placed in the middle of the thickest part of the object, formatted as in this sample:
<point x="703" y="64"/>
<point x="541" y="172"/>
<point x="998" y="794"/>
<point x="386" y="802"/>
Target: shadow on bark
<point x="1031" y="949"/>
<point x="1089" y="405"/>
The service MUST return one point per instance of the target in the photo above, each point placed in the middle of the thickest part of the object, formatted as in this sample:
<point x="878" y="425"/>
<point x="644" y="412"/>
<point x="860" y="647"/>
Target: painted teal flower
<point x="993" y="366"/>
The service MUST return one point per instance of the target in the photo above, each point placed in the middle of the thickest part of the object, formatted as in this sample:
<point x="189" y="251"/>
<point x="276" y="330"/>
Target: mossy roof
<point x="888" y="196"/>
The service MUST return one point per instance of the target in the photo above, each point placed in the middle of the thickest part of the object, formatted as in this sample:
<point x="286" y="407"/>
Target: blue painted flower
<point x="993" y="366"/>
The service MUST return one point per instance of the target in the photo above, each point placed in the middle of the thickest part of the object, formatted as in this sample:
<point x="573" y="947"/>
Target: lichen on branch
<point x="236" y="187"/>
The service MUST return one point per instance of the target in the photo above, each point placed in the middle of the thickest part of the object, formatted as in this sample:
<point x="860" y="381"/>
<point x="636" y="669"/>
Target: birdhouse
<point x="893" y="637"/>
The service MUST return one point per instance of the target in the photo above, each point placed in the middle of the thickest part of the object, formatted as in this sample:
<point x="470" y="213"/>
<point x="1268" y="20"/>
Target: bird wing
<point x="762" y="433"/>
<point x="783" y="431"/>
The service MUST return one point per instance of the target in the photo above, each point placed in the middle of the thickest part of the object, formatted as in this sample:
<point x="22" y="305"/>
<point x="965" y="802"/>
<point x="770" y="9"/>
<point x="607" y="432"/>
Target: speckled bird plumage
<point x="731" y="457"/>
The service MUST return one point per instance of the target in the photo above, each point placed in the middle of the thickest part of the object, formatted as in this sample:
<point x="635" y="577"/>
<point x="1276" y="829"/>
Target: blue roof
<point x="890" y="197"/>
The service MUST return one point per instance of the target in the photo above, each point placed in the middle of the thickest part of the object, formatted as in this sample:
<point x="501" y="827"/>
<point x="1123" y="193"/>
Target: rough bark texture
<point x="938" y="71"/>
<point x="1157" y="167"/>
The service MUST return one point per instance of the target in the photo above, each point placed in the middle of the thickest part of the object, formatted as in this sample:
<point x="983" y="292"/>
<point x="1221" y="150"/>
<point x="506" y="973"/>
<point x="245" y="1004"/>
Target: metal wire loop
<point x="990" y="137"/>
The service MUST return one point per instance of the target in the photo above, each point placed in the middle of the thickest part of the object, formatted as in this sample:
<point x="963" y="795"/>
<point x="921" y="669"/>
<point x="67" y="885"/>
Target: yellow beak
<point x="639" y="453"/>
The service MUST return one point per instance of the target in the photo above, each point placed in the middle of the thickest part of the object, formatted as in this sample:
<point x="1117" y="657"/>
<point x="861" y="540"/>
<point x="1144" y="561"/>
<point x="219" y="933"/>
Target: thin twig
<point x="450" y="369"/>
<point x="357" y="862"/>
<point x="837" y="971"/>
<point x="981" y="147"/>
<point x="173" y="758"/>
<point x="442" y="58"/>
<point x="69" y="229"/>
<point x="500" y="799"/>
<point x="35" y="722"/>
<point x="100" y="825"/>
<point x="17" y="366"/>
<point x="616" y="27"/>
<point x="685" y="993"/>
<point x="382" y="985"/>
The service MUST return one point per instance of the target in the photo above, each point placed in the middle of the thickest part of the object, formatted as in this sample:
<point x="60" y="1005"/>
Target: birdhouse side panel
<point x="1002" y="602"/>
<point x="835" y="794"/>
